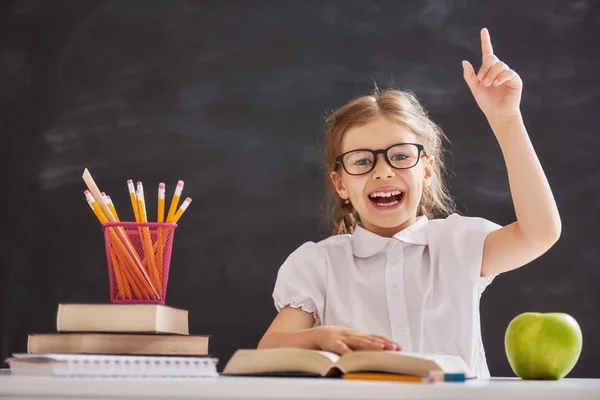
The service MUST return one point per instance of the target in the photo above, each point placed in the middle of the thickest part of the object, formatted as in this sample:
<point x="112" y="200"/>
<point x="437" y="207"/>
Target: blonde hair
<point x="404" y="109"/>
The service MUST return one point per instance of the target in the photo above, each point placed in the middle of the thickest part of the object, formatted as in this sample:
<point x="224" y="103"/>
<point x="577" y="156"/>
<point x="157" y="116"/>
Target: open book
<point x="289" y="360"/>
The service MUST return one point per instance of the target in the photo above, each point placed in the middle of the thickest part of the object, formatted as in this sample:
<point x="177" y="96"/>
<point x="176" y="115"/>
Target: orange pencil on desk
<point x="181" y="210"/>
<point x="374" y="376"/>
<point x="134" y="203"/>
<point x="175" y="201"/>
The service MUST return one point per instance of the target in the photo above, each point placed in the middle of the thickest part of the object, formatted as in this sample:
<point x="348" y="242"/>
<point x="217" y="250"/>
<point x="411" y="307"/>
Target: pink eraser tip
<point x="161" y="185"/>
<point x="86" y="192"/>
<point x="129" y="181"/>
<point x="103" y="194"/>
<point x="179" y="183"/>
<point x="139" y="183"/>
<point x="189" y="199"/>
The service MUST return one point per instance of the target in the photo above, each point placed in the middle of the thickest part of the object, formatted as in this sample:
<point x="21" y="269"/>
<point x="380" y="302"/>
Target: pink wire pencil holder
<point x="138" y="256"/>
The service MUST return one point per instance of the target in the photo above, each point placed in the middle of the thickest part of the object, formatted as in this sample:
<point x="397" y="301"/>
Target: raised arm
<point x="497" y="90"/>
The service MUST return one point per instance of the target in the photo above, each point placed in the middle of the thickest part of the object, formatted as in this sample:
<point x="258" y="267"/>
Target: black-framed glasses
<point x="398" y="156"/>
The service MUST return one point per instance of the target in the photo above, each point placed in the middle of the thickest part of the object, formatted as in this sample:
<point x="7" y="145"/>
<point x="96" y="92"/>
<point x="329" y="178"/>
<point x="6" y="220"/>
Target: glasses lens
<point x="358" y="162"/>
<point x="403" y="155"/>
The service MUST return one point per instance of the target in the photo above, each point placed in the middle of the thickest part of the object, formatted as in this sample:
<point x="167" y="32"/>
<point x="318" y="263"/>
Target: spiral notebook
<point x="112" y="365"/>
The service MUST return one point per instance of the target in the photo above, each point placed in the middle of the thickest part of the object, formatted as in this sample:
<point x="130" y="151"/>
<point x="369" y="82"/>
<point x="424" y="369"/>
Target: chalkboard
<point x="231" y="96"/>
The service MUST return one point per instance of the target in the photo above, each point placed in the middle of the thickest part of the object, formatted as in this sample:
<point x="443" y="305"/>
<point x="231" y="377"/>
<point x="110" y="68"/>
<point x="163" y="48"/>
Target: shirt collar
<point x="366" y="244"/>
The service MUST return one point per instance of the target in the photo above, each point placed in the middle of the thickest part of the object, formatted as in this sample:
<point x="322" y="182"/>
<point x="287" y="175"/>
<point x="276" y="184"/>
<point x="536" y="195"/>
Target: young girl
<point x="399" y="280"/>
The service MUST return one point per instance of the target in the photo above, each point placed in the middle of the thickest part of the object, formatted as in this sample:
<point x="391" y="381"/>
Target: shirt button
<point x="400" y="331"/>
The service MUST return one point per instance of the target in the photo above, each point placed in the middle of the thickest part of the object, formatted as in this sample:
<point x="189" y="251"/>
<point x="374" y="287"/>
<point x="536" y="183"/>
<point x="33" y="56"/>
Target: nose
<point x="382" y="169"/>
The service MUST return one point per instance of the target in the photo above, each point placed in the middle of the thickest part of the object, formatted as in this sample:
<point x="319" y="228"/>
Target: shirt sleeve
<point x="301" y="281"/>
<point x="462" y="239"/>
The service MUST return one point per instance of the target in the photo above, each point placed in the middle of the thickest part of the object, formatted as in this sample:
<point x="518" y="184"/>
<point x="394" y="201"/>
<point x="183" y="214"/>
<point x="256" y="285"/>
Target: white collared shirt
<point x="420" y="288"/>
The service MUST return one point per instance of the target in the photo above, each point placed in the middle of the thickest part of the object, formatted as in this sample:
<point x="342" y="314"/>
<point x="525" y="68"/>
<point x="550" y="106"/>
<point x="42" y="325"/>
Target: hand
<point x="496" y="88"/>
<point x="341" y="340"/>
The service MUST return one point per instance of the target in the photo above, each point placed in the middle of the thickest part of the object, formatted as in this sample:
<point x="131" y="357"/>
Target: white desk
<point x="31" y="387"/>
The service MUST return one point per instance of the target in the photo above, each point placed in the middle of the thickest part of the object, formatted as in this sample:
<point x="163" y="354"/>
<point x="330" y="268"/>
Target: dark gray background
<point x="230" y="96"/>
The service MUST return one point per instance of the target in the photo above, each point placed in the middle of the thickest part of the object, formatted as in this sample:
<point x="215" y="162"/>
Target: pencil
<point x="181" y="210"/>
<point x="175" y="201"/>
<point x="133" y="200"/>
<point x="111" y="206"/>
<point x="146" y="238"/>
<point x="96" y="210"/>
<point x="373" y="376"/>
<point x="141" y="211"/>
<point x="161" y="203"/>
<point x="141" y="205"/>
<point x="160" y="218"/>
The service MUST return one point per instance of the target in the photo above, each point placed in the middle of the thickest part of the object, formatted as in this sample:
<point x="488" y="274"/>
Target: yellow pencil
<point x="181" y="210"/>
<point x="141" y="202"/>
<point x="175" y="201"/>
<point x="111" y="206"/>
<point x="160" y="218"/>
<point x="95" y="208"/>
<point x="146" y="239"/>
<point x="134" y="203"/>
<point x="161" y="202"/>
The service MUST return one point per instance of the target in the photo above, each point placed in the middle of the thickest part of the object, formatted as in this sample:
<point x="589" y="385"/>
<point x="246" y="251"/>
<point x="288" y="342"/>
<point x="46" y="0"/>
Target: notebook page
<point x="114" y="365"/>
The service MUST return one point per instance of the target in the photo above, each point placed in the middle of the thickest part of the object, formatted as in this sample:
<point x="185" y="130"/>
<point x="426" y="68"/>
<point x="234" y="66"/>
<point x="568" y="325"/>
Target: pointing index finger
<point x="486" y="43"/>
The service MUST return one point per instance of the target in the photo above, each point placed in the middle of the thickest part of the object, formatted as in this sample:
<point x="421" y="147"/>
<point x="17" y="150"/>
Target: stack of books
<point x="117" y="339"/>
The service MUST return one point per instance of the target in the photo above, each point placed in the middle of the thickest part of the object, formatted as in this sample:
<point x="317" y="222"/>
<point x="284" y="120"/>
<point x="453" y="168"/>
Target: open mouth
<point x="386" y="199"/>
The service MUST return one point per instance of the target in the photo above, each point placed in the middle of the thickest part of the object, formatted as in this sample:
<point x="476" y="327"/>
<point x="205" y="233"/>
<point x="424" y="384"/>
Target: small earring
<point x="346" y="202"/>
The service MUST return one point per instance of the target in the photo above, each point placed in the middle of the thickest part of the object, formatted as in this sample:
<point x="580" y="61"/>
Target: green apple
<point x="543" y="345"/>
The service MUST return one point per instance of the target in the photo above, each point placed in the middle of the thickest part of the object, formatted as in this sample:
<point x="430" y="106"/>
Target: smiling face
<point x="386" y="198"/>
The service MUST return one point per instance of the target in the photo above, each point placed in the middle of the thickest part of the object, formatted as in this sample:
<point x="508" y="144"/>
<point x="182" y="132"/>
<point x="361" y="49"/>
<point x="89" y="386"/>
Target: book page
<point x="331" y="356"/>
<point x="400" y="362"/>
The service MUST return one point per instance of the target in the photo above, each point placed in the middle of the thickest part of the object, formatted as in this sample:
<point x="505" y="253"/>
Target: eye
<point x="399" y="157"/>
<point x="363" y="162"/>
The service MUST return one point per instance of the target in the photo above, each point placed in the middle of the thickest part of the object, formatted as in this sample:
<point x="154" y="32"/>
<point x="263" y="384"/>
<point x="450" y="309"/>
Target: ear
<point x="429" y="162"/>
<point x="339" y="184"/>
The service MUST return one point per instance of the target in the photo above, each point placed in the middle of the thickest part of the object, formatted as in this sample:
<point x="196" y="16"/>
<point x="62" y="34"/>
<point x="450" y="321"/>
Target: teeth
<point x="390" y="204"/>
<point x="386" y="194"/>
